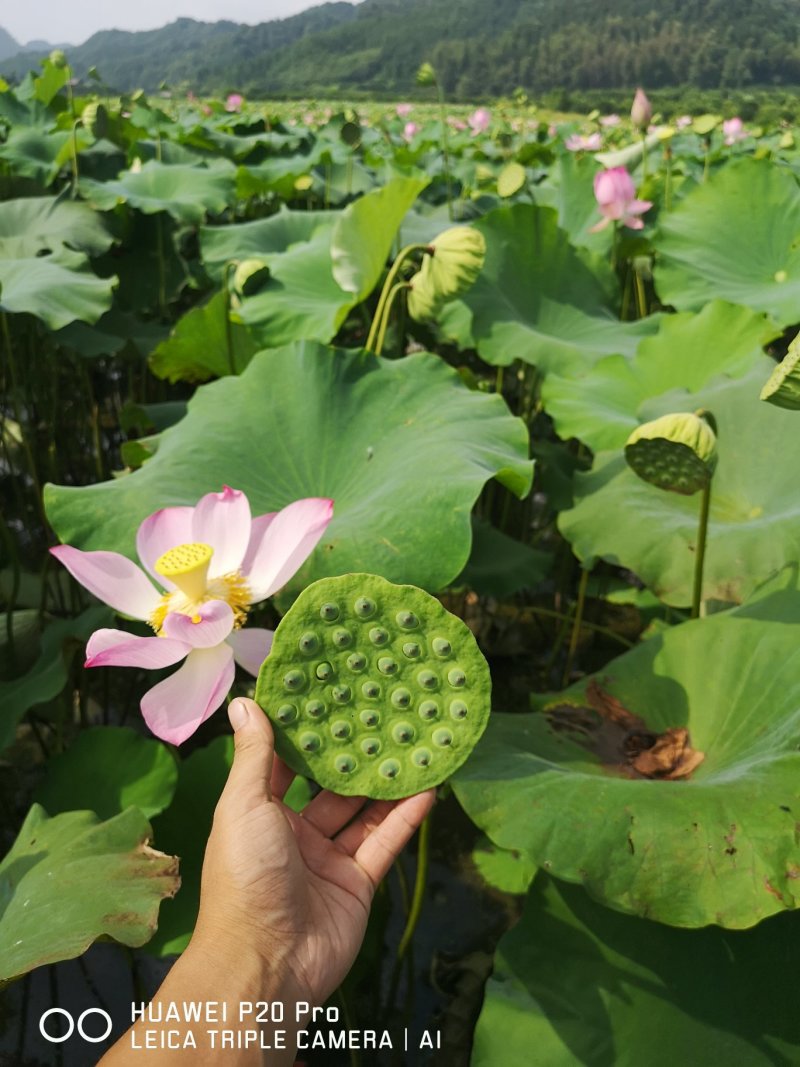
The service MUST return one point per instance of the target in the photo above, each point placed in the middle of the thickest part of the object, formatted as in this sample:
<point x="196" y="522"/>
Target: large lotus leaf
<point x="186" y="192"/>
<point x="689" y="350"/>
<point x="587" y="987"/>
<point x="569" y="188"/>
<point x="114" y="332"/>
<point x="48" y="675"/>
<point x="57" y="288"/>
<point x="36" y="153"/>
<point x="402" y="447"/>
<point x="537" y="300"/>
<point x="204" y="344"/>
<point x="365" y="231"/>
<point x="754" y="523"/>
<point x="33" y="225"/>
<point x="224" y="244"/>
<point x="721" y="847"/>
<point x="107" y="769"/>
<point x="72" y="879"/>
<point x="500" y="565"/>
<point x="735" y="237"/>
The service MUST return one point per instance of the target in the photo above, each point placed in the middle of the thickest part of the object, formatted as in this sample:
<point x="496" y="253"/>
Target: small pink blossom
<point x="682" y="121"/>
<point x="211" y="562"/>
<point x="609" y="121"/>
<point x="404" y="110"/>
<point x="616" y="197"/>
<point x="480" y="121"/>
<point x="734" y="130"/>
<point x="456" y="123"/>
<point x="577" y="142"/>
<point x="234" y="102"/>
<point x="410" y="130"/>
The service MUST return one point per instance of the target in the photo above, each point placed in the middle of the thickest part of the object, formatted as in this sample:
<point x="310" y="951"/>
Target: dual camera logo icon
<point x="56" y="1039"/>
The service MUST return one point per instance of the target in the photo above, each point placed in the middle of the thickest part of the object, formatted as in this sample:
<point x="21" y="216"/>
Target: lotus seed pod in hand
<point x="676" y="452"/>
<point x="374" y="689"/>
<point x="783" y="386"/>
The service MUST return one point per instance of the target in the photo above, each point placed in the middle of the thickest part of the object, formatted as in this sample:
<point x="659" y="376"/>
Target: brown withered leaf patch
<point x="622" y="740"/>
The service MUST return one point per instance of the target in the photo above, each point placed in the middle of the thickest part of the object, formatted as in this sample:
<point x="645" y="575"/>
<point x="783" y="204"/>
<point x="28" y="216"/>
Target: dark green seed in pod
<point x="370" y="717"/>
<point x="356" y="661"/>
<point x="341" y="693"/>
<point x="286" y="713"/>
<point x="345" y="764"/>
<point x="403" y="733"/>
<point x="371" y="690"/>
<point x="421" y="757"/>
<point x="379" y="636"/>
<point x="370" y="746"/>
<point x="411" y="650"/>
<point x="364" y="607"/>
<point x="456" y="678"/>
<point x="342" y="638"/>
<point x="401" y="698"/>
<point x="309" y="742"/>
<point x="407" y="619"/>
<point x="324" y="671"/>
<point x="458" y="709"/>
<point x="390" y="768"/>
<point x="340" y="730"/>
<point x="329" y="612"/>
<point x="427" y="679"/>
<point x="428" y="710"/>
<point x="441" y="647"/>
<point x="442" y="737"/>
<point x="386" y="665"/>
<point x="294" y="680"/>
<point x="309" y="643"/>
<point x="315" y="708"/>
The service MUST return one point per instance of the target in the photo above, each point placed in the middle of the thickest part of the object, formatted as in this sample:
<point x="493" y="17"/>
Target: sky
<point x="59" y="22"/>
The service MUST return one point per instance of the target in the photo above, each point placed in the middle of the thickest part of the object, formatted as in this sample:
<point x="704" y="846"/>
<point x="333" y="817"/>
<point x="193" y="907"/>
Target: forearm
<point x="237" y="1025"/>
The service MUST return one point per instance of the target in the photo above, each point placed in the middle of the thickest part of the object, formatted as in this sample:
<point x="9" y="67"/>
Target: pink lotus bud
<point x="609" y="121"/>
<point x="404" y="110"/>
<point x="641" y="110"/>
<point x="682" y="121"/>
<point x="234" y="102"/>
<point x="734" y="130"/>
<point x="410" y="130"/>
<point x="615" y="194"/>
<point x="479" y="121"/>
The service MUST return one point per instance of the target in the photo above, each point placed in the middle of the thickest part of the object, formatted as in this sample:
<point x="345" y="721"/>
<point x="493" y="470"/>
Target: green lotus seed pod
<point x="58" y="58"/>
<point x="249" y="276"/>
<point x="783" y="386"/>
<point x="676" y="452"/>
<point x="426" y="75"/>
<point x="423" y="304"/>
<point x="454" y="261"/>
<point x="412" y="717"/>
<point x="94" y="118"/>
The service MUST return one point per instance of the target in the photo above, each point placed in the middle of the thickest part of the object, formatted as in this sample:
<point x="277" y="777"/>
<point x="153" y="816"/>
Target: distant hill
<point x="479" y="48"/>
<point x="9" y="47"/>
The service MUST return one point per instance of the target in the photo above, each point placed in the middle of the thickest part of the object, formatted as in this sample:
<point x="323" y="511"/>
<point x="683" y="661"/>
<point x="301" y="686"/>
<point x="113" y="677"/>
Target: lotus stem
<point x="445" y="150"/>
<point x="576" y="625"/>
<point x="387" y="313"/>
<point x="423" y="850"/>
<point x="641" y="295"/>
<point x="700" y="553"/>
<point x="394" y="270"/>
<point x="226" y="288"/>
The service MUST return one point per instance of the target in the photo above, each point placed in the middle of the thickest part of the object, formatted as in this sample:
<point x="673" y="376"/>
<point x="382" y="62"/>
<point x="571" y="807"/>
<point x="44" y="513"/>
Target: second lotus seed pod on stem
<point x="675" y="452"/>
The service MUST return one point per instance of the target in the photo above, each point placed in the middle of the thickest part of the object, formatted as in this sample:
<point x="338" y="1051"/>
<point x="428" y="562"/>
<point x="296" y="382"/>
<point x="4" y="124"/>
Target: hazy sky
<point x="54" y="20"/>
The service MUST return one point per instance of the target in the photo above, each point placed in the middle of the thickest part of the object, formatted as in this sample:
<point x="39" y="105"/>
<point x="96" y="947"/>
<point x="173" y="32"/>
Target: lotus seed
<point x="342" y="638"/>
<point x="386" y="665"/>
<point x="364" y="607"/>
<point x="411" y="649"/>
<point x="401" y="698"/>
<point x="341" y="693"/>
<point x="441" y="647"/>
<point x="427" y="679"/>
<point x="315" y="708"/>
<point x="329" y="612"/>
<point x="309" y="742"/>
<point x="345" y="764"/>
<point x="294" y="680"/>
<point x="403" y="732"/>
<point x="286" y="713"/>
<point x="428" y="709"/>
<point x="442" y="737"/>
<point x="390" y="768"/>
<point x="340" y="730"/>
<point x="309" y="643"/>
<point x="356" y="661"/>
<point x="456" y="677"/>
<point x="458" y="709"/>
<point x="378" y="636"/>
<point x="370" y="717"/>
<point x="371" y="690"/>
<point x="370" y="746"/>
<point x="324" y="671"/>
<point x="407" y="619"/>
<point x="421" y="757"/>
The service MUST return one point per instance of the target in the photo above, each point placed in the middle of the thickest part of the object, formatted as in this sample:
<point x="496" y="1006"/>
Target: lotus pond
<point x="542" y="371"/>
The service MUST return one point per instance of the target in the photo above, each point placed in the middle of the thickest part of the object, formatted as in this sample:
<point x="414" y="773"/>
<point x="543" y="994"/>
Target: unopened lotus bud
<point x="676" y="452"/>
<point x="95" y="118"/>
<point x="783" y="387"/>
<point x="426" y="75"/>
<point x="455" y="260"/>
<point x="641" y="110"/>
<point x="249" y="276"/>
<point x="422" y="301"/>
<point x="58" y="59"/>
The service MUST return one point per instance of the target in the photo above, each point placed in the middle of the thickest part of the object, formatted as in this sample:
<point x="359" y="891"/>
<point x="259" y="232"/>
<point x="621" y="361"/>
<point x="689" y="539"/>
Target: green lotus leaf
<point x="36" y="153"/>
<point x="107" y="769"/>
<point x="511" y="179"/>
<point x="782" y="388"/>
<point x="314" y="421"/>
<point x="585" y="986"/>
<point x="689" y="350"/>
<point x="537" y="300"/>
<point x="754" y="525"/>
<point x="33" y="225"/>
<point x="569" y="188"/>
<point x="203" y="345"/>
<point x="57" y="288"/>
<point x="187" y="193"/>
<point x="734" y="238"/>
<point x="71" y="879"/>
<point x="258" y="240"/>
<point x="500" y="565"/>
<point x="503" y="869"/>
<point x="719" y="846"/>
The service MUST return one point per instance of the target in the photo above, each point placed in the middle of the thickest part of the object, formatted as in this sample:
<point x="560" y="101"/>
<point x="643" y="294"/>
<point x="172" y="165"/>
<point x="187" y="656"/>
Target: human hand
<point x="294" y="889"/>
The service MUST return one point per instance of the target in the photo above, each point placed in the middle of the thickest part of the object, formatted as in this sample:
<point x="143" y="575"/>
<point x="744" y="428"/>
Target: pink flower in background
<point x="456" y="123"/>
<point x="577" y="142"/>
<point x="479" y="121"/>
<point x="234" y="102"/>
<point x="641" y="110"/>
<point x="410" y="130"/>
<point x="404" y="110"/>
<point x="212" y="562"/>
<point x="616" y="197"/>
<point x="682" y="121"/>
<point x="609" y="121"/>
<point x="734" y="130"/>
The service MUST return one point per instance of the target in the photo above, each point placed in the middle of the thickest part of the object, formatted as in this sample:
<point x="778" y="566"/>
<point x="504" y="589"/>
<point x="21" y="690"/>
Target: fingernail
<point x="238" y="714"/>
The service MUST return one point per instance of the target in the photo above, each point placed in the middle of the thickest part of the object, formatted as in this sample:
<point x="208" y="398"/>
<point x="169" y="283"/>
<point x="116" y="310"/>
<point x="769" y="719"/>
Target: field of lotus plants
<point x="540" y="367"/>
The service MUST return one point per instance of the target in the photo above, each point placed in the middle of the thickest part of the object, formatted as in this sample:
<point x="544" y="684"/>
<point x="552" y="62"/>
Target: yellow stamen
<point x="187" y="566"/>
<point x="196" y="619"/>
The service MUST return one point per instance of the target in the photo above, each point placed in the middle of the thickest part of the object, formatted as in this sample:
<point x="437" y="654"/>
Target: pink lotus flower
<point x="455" y="123"/>
<point x="234" y="102"/>
<point x="577" y="142"/>
<point x="404" y="110"/>
<point x="682" y="121"/>
<point x="410" y="130"/>
<point x="609" y="121"/>
<point x="479" y="121"/>
<point x="734" y="130"/>
<point x="641" y="110"/>
<point x="616" y="197"/>
<point x="212" y="561"/>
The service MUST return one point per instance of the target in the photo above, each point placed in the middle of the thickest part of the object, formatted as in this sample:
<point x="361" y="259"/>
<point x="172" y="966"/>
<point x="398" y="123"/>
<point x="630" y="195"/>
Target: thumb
<point x="254" y="752"/>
